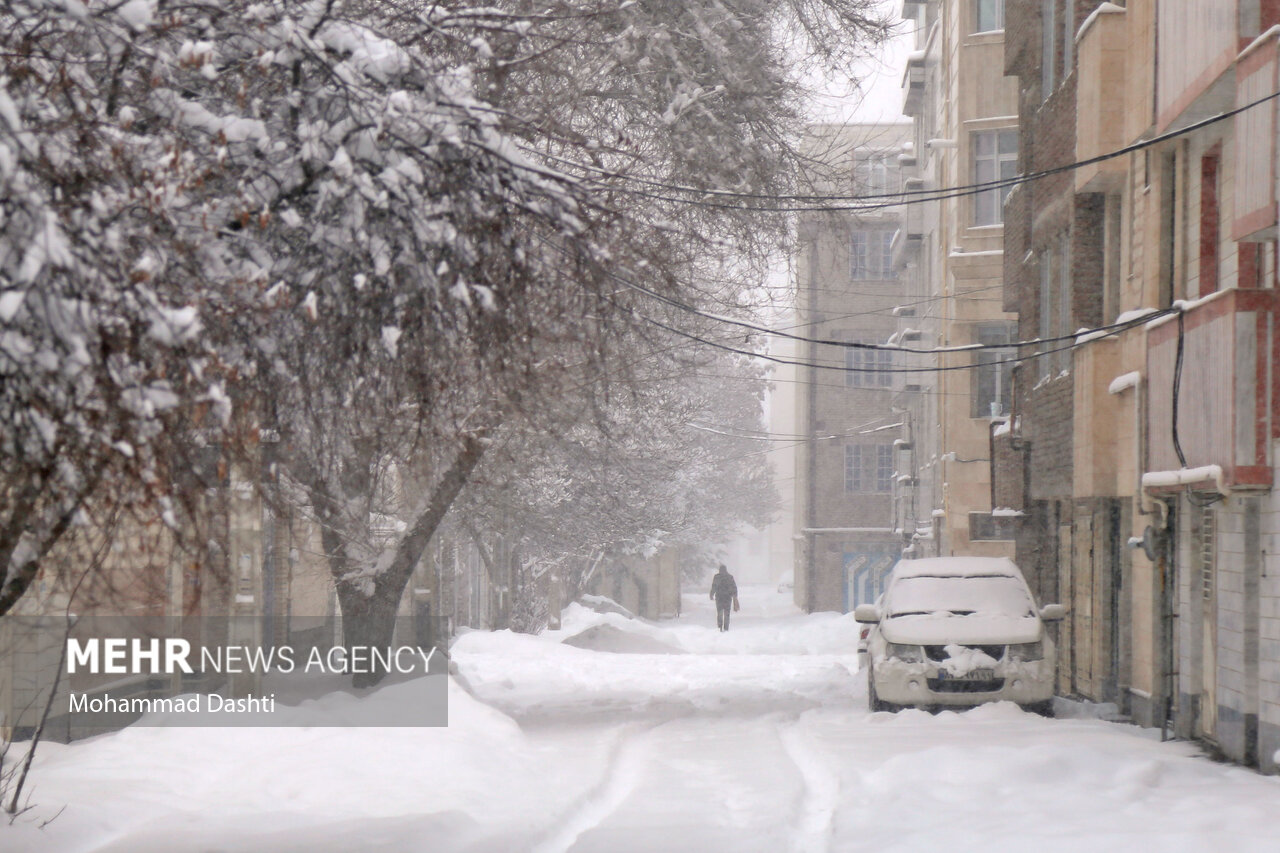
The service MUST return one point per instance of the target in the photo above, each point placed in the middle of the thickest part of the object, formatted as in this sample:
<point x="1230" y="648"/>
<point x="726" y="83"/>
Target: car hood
<point x="939" y="629"/>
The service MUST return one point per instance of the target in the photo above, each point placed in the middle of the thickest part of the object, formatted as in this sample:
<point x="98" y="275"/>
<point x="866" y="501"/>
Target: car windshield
<point x="959" y="596"/>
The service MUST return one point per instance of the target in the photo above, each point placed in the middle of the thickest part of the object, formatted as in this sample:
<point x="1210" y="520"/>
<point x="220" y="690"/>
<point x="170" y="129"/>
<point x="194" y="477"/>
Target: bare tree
<point x="384" y="229"/>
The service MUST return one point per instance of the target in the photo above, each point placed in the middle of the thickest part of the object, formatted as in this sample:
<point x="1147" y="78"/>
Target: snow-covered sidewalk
<point x="754" y="740"/>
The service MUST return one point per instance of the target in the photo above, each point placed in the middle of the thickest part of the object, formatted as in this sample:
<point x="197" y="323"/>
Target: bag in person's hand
<point x="735" y="604"/>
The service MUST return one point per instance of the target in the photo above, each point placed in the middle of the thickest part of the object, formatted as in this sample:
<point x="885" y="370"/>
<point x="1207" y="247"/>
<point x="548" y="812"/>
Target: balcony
<point x="1197" y="42"/>
<point x="913" y="81"/>
<point x="1100" y="120"/>
<point x="1255" y="141"/>
<point x="1226" y="407"/>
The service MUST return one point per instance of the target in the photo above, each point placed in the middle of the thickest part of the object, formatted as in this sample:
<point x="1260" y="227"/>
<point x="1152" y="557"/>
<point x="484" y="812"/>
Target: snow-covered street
<point x="754" y="740"/>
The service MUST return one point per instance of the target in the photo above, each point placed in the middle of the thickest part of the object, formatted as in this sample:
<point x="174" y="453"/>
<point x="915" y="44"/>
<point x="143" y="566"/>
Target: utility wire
<point x="755" y="327"/>
<point x="841" y="367"/>
<point x="883" y="200"/>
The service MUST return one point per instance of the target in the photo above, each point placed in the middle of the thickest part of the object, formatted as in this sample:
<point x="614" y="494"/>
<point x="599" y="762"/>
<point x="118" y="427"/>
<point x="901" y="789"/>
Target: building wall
<point x="1268" y="601"/>
<point x="839" y="411"/>
<point x="960" y="263"/>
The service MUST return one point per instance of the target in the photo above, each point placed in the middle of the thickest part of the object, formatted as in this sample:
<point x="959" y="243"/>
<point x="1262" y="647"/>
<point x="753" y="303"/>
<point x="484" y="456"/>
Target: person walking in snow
<point x="724" y="591"/>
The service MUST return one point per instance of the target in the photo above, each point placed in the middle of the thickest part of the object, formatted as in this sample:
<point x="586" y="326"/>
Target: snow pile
<point x="601" y="604"/>
<point x="607" y="638"/>
<point x="962" y="660"/>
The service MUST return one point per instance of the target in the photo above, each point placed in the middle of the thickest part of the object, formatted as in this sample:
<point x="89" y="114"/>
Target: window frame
<point x="874" y="367"/>
<point x="987" y="372"/>
<point x="1048" y="48"/>
<point x="1055" y="305"/>
<point x="868" y="469"/>
<point x="1046" y="310"/>
<point x="853" y="479"/>
<point x="876" y="174"/>
<point x="1000" y="161"/>
<point x="885" y="468"/>
<point x="995" y="9"/>
<point x="986" y="527"/>
<point x="876" y="242"/>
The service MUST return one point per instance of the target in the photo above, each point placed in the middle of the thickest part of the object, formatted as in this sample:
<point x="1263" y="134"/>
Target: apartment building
<point x="848" y="531"/>
<point x="1143" y="455"/>
<point x="964" y="133"/>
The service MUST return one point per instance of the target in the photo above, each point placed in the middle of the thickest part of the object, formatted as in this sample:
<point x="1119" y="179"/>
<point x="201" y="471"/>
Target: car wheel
<point x="873" y="701"/>
<point x="1044" y="709"/>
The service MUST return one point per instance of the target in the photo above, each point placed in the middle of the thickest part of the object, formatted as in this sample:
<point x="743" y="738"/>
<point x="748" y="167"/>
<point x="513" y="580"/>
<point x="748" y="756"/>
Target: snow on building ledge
<point x="1124" y="382"/>
<point x="1205" y="474"/>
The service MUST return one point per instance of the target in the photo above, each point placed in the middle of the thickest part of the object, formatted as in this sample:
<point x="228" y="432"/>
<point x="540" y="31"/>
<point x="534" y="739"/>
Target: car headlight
<point x="904" y="653"/>
<point x="1026" y="651"/>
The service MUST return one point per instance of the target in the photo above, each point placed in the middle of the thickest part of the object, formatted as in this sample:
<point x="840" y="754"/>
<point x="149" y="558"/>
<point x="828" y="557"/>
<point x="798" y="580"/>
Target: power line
<point x="818" y="366"/>
<point x="675" y="303"/>
<point x="883" y="200"/>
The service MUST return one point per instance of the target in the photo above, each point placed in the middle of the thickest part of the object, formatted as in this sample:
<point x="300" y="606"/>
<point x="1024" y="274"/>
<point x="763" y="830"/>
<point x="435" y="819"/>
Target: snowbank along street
<point x="616" y="734"/>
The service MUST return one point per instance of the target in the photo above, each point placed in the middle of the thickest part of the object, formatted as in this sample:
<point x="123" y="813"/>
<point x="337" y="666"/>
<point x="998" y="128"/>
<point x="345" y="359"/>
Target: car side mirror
<point x="866" y="613"/>
<point x="1053" y="613"/>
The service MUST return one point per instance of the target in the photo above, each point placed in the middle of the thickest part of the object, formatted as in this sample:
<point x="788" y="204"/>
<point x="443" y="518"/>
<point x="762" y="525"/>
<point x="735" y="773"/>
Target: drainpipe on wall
<point x="1162" y="565"/>
<point x="811" y="462"/>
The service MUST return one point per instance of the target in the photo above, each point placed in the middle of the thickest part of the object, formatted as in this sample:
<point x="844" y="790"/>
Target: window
<point x="1210" y="189"/>
<point x="992" y="380"/>
<point x="1068" y="36"/>
<point x="868" y="368"/>
<point x="990" y="15"/>
<point x="870" y="255"/>
<point x="983" y="526"/>
<point x="876" y="174"/>
<point x="1048" y="49"/>
<point x="1062" y="357"/>
<point x="1055" y="306"/>
<point x="995" y="158"/>
<point x="884" y="467"/>
<point x="868" y="468"/>
<point x="853" y="474"/>
<point x="1046" y="309"/>
<point x="1111" y="237"/>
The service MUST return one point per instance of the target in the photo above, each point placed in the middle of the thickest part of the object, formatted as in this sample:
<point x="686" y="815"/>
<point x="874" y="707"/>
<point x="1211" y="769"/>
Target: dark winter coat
<point x="723" y="587"/>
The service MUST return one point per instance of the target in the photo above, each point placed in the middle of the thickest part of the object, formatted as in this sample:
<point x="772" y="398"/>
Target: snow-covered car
<point x="958" y="631"/>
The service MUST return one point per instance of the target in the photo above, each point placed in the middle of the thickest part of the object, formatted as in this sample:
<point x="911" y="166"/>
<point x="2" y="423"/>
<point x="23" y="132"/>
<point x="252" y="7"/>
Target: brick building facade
<point x="848" y="487"/>
<point x="1157" y="226"/>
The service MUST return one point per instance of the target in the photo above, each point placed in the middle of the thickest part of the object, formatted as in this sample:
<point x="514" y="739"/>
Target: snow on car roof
<point x="968" y="588"/>
<point x="955" y="567"/>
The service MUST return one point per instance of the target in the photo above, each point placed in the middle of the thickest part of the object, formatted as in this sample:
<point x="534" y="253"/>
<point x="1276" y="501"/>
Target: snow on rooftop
<point x="955" y="567"/>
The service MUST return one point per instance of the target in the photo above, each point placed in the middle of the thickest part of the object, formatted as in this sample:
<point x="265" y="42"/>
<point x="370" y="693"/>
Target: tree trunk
<point x="370" y="620"/>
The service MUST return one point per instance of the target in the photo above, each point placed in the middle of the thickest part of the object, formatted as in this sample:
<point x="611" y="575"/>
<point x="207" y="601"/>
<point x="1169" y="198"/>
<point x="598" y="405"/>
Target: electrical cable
<point x="1177" y="383"/>
<point x="1104" y="331"/>
<point x="841" y="367"/>
<point x="883" y="200"/>
<point x="675" y="303"/>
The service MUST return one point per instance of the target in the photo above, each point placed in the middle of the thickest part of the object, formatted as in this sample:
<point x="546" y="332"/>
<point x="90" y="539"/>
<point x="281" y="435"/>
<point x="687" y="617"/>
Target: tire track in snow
<point x="622" y="774"/>
<point x="817" y="807"/>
